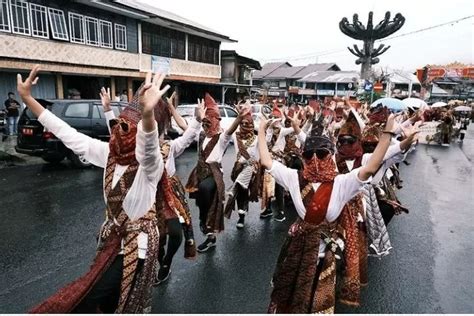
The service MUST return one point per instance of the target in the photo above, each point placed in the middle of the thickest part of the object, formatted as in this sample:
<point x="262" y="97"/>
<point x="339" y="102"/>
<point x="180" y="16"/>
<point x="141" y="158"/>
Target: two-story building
<point x="84" y="45"/>
<point x="321" y="84"/>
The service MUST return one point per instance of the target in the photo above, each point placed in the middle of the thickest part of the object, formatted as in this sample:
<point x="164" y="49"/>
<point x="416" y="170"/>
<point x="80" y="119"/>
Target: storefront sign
<point x="160" y="64"/>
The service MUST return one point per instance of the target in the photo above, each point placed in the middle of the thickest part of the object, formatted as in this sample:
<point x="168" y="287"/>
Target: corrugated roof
<point x="312" y="68"/>
<point x="331" y="76"/>
<point x="268" y="68"/>
<point x="284" y="72"/>
<point x="404" y="78"/>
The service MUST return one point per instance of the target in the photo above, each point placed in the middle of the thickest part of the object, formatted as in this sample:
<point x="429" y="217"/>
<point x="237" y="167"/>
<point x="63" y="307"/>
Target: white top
<point x="280" y="143"/>
<point x="178" y="145"/>
<point x="219" y="149"/>
<point x="393" y="155"/>
<point x="252" y="149"/>
<point x="345" y="187"/>
<point x="142" y="194"/>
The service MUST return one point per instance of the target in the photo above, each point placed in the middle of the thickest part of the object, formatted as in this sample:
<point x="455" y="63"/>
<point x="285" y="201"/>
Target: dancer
<point x="246" y="171"/>
<point x="304" y="278"/>
<point x="205" y="183"/>
<point x="121" y="275"/>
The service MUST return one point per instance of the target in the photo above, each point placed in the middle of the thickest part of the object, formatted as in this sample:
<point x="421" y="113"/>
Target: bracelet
<point x="391" y="133"/>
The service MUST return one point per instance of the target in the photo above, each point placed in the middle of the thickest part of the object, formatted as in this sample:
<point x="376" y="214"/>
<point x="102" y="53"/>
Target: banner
<point x="160" y="64"/>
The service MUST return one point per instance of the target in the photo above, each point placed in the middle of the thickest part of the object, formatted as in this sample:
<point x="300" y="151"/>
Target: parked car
<point x="86" y="116"/>
<point x="187" y="111"/>
<point x="3" y="121"/>
<point x="257" y="109"/>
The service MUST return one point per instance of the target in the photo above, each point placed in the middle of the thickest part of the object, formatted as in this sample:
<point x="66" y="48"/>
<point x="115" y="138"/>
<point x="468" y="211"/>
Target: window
<point x="58" y="24"/>
<point x="20" y="17"/>
<point x="39" y="21"/>
<point x="161" y="41"/>
<point x="203" y="50"/>
<point x="115" y="109"/>
<point x="105" y="34"/>
<point x="120" y="37"/>
<point x="80" y="110"/>
<point x="231" y="113"/>
<point x="76" y="28"/>
<point x="4" y="16"/>
<point x="92" y="31"/>
<point x="95" y="112"/>
<point x="222" y="112"/>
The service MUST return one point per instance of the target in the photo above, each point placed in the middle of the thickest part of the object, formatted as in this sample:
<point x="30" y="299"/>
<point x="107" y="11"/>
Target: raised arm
<point x="177" y="117"/>
<point x="148" y="149"/>
<point x="265" y="157"/>
<point x="184" y="141"/>
<point x="93" y="150"/>
<point x="376" y="159"/>
<point x="243" y="110"/>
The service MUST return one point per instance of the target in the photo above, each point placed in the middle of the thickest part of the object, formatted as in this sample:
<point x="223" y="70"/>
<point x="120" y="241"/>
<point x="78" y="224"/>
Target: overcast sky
<point x="286" y="30"/>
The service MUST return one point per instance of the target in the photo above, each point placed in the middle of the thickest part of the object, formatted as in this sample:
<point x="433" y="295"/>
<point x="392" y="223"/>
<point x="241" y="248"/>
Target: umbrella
<point x="439" y="104"/>
<point x="462" y="108"/>
<point x="414" y="103"/>
<point x="391" y="103"/>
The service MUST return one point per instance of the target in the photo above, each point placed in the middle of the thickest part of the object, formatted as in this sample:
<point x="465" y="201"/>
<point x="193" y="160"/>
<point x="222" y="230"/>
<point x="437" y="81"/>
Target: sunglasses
<point x="206" y="124"/>
<point x="320" y="153"/>
<point x="346" y="140"/>
<point x="123" y="125"/>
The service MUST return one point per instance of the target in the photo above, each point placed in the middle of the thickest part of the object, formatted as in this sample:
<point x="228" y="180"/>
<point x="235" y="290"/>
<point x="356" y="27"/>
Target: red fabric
<point x="122" y="144"/>
<point x="350" y="151"/>
<point x="66" y="299"/>
<point x="213" y="115"/>
<point x="276" y="112"/>
<point x="320" y="170"/>
<point x="131" y="115"/>
<point x="351" y="127"/>
<point x="165" y="192"/>
<point x="315" y="105"/>
<point x="316" y="213"/>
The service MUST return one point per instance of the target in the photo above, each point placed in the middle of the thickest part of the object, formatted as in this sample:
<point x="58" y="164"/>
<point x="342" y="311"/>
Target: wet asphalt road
<point x="50" y="216"/>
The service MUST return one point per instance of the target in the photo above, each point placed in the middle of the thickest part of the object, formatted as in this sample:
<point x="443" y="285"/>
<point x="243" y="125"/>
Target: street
<point x="51" y="214"/>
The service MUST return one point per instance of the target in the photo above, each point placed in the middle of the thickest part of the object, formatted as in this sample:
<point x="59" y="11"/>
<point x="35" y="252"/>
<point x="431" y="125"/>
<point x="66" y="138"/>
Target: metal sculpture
<point x="368" y="56"/>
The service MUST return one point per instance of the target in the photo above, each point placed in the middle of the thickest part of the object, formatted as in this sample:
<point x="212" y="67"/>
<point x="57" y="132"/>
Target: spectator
<point x="117" y="97"/>
<point x="124" y="96"/>
<point x="12" y="108"/>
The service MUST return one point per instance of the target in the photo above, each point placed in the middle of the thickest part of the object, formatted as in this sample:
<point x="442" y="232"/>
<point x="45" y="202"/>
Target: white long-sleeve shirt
<point x="142" y="194"/>
<point x="345" y="187"/>
<point x="219" y="149"/>
<point x="252" y="149"/>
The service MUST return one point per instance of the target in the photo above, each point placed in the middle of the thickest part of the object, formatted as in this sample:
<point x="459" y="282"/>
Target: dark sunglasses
<point x="123" y="125"/>
<point x="346" y="140"/>
<point x="320" y="154"/>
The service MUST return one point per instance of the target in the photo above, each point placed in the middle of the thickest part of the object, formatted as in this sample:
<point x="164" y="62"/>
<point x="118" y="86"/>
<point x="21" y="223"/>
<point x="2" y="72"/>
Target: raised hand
<point x="244" y="109"/>
<point x="295" y="120"/>
<point x="151" y="92"/>
<point x="264" y="122"/>
<point x="200" y="110"/>
<point x="390" y="125"/>
<point x="105" y="98"/>
<point x="24" y="87"/>
<point x="171" y="100"/>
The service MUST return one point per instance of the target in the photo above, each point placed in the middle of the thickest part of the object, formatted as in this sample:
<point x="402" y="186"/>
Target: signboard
<point x="378" y="86"/>
<point x="307" y="92"/>
<point x="429" y="133"/>
<point x="325" y="92"/>
<point x="440" y="72"/>
<point x="160" y="64"/>
<point x="368" y="86"/>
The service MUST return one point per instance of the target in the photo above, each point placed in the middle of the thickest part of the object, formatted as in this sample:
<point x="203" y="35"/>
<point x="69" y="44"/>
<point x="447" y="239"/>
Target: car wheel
<point x="53" y="159"/>
<point x="79" y="161"/>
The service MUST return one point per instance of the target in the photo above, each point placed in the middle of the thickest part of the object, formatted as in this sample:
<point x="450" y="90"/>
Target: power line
<point x="330" y="52"/>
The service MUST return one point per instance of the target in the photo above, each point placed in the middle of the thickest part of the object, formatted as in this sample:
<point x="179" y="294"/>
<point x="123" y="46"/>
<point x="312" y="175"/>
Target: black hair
<point x="11" y="93"/>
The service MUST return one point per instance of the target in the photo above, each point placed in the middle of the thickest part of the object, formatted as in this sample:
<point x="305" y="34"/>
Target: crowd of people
<point x="336" y="163"/>
<point x="452" y="125"/>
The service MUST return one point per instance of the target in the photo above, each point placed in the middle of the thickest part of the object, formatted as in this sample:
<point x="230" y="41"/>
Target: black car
<point x="86" y="116"/>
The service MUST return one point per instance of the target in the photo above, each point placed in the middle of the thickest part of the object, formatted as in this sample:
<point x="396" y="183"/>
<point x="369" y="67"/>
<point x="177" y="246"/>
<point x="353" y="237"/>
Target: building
<point x="279" y="80"/>
<point x="84" y="45"/>
<point x="446" y="82"/>
<point x="236" y="78"/>
<point x="402" y="84"/>
<point x="321" y="84"/>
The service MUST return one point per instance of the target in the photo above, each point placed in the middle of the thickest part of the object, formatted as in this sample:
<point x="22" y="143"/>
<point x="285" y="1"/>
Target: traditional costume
<point x="205" y="183"/>
<point x="305" y="275"/>
<point x="246" y="171"/>
<point x="120" y="278"/>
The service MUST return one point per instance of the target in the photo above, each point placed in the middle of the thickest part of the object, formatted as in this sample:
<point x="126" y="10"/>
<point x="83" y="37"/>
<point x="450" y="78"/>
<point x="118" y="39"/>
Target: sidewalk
<point x="9" y="156"/>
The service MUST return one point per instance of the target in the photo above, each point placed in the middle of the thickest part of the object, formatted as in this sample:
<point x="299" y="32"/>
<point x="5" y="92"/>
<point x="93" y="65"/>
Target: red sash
<point x="318" y="207"/>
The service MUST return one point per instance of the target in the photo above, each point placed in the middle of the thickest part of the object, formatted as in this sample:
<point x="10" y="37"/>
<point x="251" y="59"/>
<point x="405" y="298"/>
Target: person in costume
<point x="304" y="278"/>
<point x="120" y="278"/>
<point x="173" y="214"/>
<point x="246" y="171"/>
<point x="206" y="183"/>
